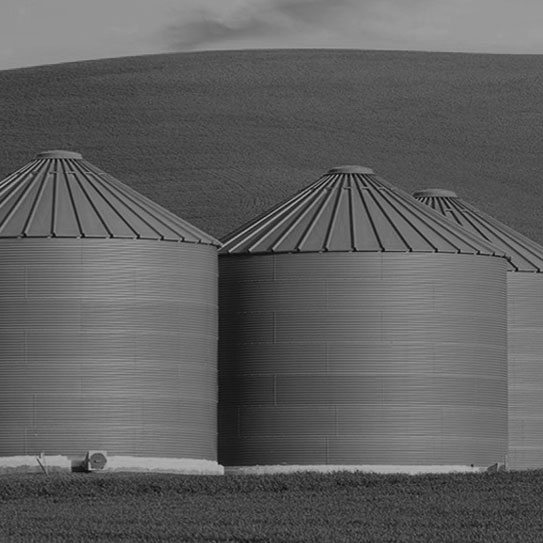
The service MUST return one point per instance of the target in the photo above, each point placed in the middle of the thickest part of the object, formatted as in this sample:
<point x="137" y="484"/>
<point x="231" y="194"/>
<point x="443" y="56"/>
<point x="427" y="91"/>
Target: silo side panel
<point x="108" y="344"/>
<point x="525" y="295"/>
<point x="362" y="358"/>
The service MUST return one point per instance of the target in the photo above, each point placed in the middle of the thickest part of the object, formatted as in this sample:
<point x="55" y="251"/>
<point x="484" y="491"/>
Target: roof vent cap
<point x="350" y="169"/>
<point x="58" y="154"/>
<point x="435" y="193"/>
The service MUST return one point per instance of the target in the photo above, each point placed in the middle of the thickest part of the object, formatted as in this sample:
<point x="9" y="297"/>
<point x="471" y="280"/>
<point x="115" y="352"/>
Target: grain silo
<point x="360" y="328"/>
<point x="108" y="325"/>
<point x="525" y="323"/>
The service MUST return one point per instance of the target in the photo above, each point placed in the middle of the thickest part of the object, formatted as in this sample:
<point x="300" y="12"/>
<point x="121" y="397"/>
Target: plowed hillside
<point x="218" y="137"/>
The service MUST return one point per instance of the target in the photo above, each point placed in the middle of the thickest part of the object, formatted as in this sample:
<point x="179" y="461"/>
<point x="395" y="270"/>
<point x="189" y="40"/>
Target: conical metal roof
<point x="352" y="209"/>
<point x="58" y="194"/>
<point x="524" y="254"/>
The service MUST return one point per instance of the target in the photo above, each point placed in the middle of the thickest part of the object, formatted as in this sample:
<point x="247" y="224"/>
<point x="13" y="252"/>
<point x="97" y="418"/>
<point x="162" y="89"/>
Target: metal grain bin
<point x="525" y="323"/>
<point x="108" y="322"/>
<point x="358" y="327"/>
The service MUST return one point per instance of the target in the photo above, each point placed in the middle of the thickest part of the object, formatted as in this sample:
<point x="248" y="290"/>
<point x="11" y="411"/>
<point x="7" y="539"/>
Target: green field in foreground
<point x="499" y="507"/>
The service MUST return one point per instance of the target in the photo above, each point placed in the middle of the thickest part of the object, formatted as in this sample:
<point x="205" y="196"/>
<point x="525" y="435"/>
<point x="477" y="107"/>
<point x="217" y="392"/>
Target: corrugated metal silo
<point x="108" y="322"/>
<point x="358" y="327"/>
<point x="525" y="323"/>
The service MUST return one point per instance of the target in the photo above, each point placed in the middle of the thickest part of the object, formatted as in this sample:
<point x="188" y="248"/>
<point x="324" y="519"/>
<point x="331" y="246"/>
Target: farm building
<point x="525" y="322"/>
<point x="360" y="328"/>
<point x="108" y="325"/>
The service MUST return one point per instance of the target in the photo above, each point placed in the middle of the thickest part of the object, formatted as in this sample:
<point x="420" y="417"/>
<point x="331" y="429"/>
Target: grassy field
<point x="500" y="507"/>
<point x="218" y="137"/>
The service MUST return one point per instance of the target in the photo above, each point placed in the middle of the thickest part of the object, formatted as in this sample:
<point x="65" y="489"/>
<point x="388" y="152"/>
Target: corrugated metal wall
<point x="108" y="344"/>
<point x="525" y="315"/>
<point x="525" y="322"/>
<point x="362" y="358"/>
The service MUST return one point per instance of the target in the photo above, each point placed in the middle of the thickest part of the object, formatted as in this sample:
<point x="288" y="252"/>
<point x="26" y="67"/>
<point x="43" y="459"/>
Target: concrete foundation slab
<point x="410" y="470"/>
<point x="57" y="463"/>
<point x="189" y="466"/>
<point x="30" y="464"/>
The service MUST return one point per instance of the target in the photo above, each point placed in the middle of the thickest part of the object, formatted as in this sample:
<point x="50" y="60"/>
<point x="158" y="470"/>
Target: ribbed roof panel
<point x="61" y="195"/>
<point x="524" y="254"/>
<point x="352" y="209"/>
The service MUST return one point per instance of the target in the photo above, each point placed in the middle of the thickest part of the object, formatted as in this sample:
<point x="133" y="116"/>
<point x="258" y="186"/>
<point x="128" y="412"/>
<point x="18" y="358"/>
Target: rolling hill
<point x="218" y="137"/>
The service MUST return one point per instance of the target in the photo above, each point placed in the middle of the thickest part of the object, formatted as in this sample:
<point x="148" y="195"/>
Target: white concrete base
<point x="189" y="466"/>
<point x="51" y="464"/>
<point x="30" y="464"/>
<point x="409" y="470"/>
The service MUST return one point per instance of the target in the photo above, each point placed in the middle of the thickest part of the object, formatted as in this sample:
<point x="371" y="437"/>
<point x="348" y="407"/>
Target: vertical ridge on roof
<point x="352" y="209"/>
<point x="59" y="194"/>
<point x="524" y="254"/>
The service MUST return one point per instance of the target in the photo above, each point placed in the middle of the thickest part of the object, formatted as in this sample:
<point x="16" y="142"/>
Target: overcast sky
<point x="49" y="31"/>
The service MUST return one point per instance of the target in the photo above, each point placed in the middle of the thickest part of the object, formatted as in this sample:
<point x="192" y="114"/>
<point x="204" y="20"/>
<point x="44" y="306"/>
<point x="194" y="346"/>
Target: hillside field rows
<point x="219" y="137"/>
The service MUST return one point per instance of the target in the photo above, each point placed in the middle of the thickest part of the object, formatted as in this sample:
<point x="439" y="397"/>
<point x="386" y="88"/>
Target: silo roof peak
<point x="58" y="154"/>
<point x="55" y="196"/>
<point x="352" y="213"/>
<point x="524" y="254"/>
<point x="350" y="169"/>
